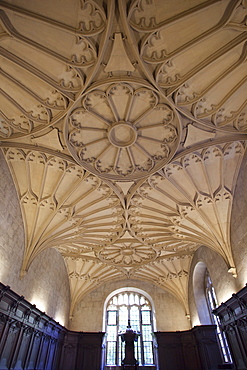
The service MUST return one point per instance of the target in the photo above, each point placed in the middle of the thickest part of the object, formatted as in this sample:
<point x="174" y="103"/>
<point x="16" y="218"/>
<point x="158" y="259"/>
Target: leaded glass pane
<point x="121" y="351"/>
<point x="112" y="333"/>
<point x="145" y="307"/>
<point x="120" y="299"/>
<point x="142" y="300"/>
<point x="112" y="317"/>
<point x="123" y="307"/>
<point x="147" y="333"/>
<point x="131" y="299"/>
<point x="212" y="303"/>
<point x="134" y="318"/>
<point x="148" y="352"/>
<point x="145" y="317"/>
<point x="123" y="318"/>
<point x="111" y="353"/>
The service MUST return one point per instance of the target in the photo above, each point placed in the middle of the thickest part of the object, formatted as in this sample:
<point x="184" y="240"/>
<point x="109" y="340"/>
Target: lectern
<point x="129" y="337"/>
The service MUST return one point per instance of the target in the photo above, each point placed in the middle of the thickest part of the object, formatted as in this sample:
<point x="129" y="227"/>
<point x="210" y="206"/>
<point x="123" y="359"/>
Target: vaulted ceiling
<point x="124" y="126"/>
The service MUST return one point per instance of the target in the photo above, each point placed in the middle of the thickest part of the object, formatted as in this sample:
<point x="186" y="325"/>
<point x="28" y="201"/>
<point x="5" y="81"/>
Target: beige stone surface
<point x="224" y="283"/>
<point x="239" y="225"/>
<point x="123" y="124"/>
<point x="168" y="315"/>
<point x="46" y="284"/>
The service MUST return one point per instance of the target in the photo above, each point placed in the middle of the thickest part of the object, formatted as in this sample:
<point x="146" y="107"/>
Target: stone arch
<point x="128" y="289"/>
<point x="199" y="293"/>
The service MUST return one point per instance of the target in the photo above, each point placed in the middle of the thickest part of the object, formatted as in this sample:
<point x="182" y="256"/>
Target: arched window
<point x="133" y="306"/>
<point x="212" y="304"/>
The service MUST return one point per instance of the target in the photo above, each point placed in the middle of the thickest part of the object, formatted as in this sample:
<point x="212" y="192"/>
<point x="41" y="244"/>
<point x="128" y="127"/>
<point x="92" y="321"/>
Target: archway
<point x="136" y="307"/>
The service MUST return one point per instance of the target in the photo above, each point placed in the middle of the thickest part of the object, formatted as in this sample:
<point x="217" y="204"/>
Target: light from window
<point x="212" y="304"/>
<point x="136" y="308"/>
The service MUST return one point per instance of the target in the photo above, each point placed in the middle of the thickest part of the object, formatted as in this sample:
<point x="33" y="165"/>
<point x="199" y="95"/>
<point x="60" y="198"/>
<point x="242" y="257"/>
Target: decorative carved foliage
<point x="62" y="205"/>
<point x="41" y="76"/>
<point x="157" y="47"/>
<point x="92" y="18"/>
<point x="191" y="202"/>
<point x="122" y="132"/>
<point x="127" y="252"/>
<point x="86" y="274"/>
<point x="148" y="16"/>
<point x="124" y="88"/>
<point x="171" y="274"/>
<point x="203" y="68"/>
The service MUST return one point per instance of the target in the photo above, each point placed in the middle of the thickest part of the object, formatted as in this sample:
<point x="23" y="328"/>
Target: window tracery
<point x="135" y="307"/>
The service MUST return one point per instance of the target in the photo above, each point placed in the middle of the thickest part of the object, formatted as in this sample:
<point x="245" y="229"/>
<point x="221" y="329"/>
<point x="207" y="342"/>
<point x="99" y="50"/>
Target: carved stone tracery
<point x="124" y="131"/>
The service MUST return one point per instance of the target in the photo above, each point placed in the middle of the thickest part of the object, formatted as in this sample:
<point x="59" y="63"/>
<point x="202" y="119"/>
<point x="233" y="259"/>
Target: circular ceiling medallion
<point x="122" y="133"/>
<point x="127" y="252"/>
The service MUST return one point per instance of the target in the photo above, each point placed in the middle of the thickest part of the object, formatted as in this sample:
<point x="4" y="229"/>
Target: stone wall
<point x="46" y="283"/>
<point x="239" y="225"/>
<point x="170" y="314"/>
<point x="223" y="282"/>
<point x="11" y="229"/>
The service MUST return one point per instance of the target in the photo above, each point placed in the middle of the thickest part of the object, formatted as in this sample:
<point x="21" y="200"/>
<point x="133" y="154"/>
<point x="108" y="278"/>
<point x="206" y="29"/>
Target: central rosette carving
<point x="122" y="132"/>
<point x="122" y="135"/>
<point x="127" y="252"/>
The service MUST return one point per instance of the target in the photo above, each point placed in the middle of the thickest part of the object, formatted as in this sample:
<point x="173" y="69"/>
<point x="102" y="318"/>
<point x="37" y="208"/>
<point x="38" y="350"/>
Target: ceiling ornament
<point x="127" y="252"/>
<point x="85" y="275"/>
<point x="92" y="18"/>
<point x="119" y="60"/>
<point x="201" y="69"/>
<point x="187" y="204"/>
<point x="149" y="16"/>
<point x="63" y="206"/>
<point x="170" y="274"/>
<point x="155" y="47"/>
<point x="41" y="77"/>
<point x="122" y="132"/>
<point x="124" y="115"/>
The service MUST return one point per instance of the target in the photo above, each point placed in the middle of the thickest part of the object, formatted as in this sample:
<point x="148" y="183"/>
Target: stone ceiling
<point x="124" y="125"/>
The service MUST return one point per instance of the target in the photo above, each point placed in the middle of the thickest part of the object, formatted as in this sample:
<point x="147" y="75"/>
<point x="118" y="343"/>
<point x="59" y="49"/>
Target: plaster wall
<point x="46" y="283"/>
<point x="169" y="312"/>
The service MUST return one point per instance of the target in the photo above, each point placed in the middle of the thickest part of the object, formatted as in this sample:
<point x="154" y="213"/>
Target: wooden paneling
<point x="233" y="318"/>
